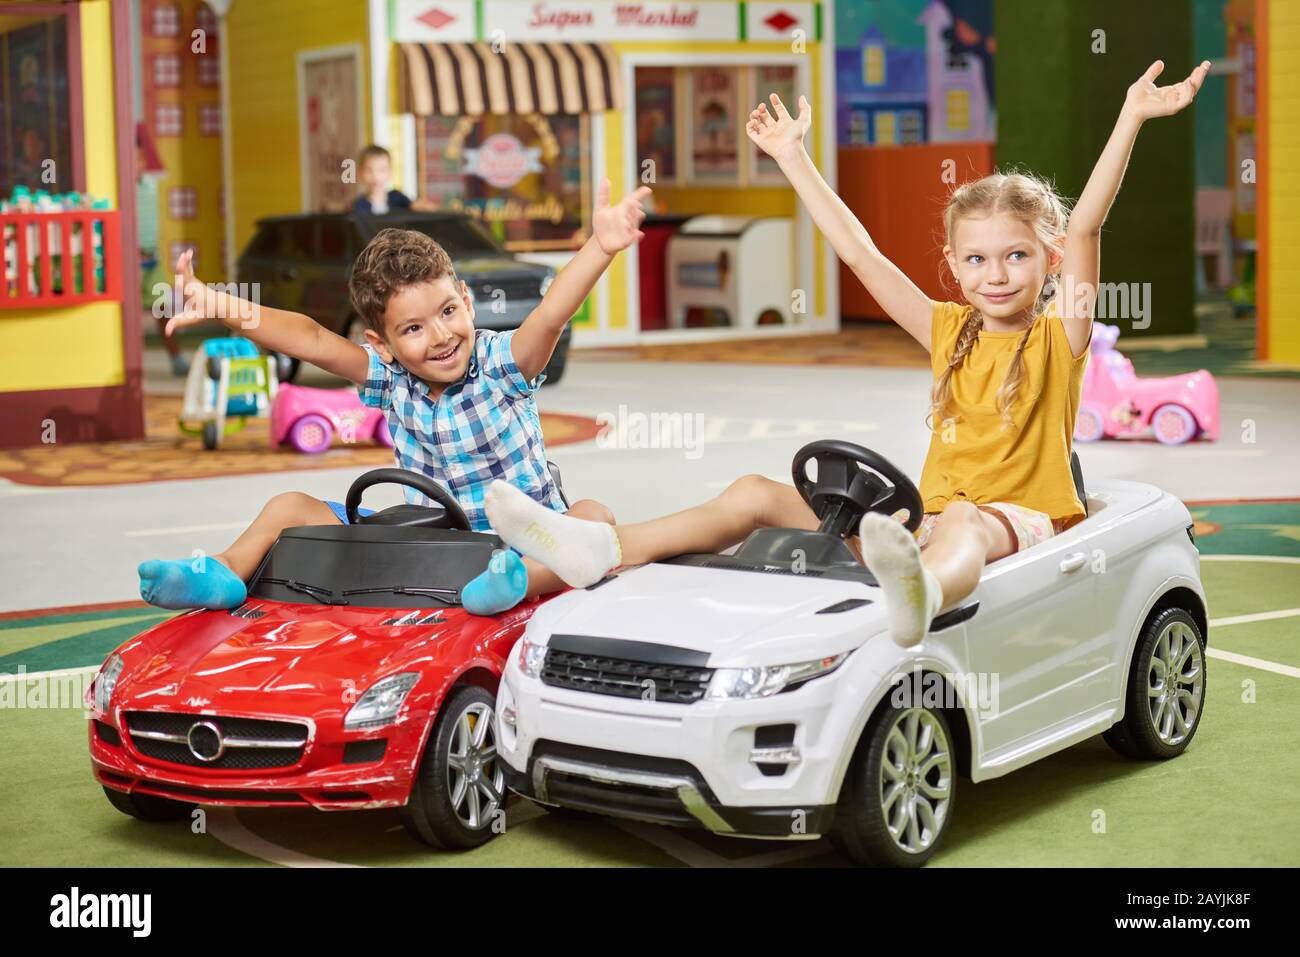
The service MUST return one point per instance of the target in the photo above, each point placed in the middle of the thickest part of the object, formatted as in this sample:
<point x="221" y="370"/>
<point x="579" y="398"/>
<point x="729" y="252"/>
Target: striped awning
<point x="470" y="79"/>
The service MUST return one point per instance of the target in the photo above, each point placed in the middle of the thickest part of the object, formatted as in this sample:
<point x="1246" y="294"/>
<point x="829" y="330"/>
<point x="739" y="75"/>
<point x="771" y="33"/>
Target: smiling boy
<point x="459" y="401"/>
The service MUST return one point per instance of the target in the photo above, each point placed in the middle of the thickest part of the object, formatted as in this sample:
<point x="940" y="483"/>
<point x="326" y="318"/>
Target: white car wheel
<point x="900" y="790"/>
<point x="1166" y="689"/>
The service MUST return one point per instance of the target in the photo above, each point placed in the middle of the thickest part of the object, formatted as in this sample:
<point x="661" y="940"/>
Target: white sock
<point x="913" y="595"/>
<point x="580" y="552"/>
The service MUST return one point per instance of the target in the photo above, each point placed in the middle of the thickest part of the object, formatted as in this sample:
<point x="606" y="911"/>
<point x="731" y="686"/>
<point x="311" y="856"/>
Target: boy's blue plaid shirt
<point x="483" y="427"/>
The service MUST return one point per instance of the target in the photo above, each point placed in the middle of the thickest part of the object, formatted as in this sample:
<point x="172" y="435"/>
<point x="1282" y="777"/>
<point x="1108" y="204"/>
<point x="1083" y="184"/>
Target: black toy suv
<point x="303" y="263"/>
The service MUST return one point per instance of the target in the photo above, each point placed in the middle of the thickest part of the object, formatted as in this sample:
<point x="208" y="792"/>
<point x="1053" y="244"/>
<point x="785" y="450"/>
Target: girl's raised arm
<point x="781" y="137"/>
<point x="1081" y="267"/>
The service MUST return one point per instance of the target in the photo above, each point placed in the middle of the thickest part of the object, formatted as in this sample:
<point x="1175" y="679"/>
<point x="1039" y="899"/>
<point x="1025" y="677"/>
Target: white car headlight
<point x="762" y="682"/>
<point x="532" y="657"/>
<point x="106" y="682"/>
<point x="546" y="284"/>
<point x="381" y="702"/>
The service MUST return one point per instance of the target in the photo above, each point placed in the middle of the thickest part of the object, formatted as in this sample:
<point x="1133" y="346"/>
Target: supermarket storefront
<point x="517" y="131"/>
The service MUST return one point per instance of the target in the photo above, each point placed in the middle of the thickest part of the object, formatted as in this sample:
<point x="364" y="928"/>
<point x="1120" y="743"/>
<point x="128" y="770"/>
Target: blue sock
<point x="180" y="585"/>
<point x="499" y="588"/>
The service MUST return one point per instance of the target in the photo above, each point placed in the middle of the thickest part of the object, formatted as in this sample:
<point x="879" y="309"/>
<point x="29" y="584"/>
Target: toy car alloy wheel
<point x="1174" y="678"/>
<point x="1165" y="695"/>
<point x="459" y="794"/>
<point x="900" y="790"/>
<point x="915" y="780"/>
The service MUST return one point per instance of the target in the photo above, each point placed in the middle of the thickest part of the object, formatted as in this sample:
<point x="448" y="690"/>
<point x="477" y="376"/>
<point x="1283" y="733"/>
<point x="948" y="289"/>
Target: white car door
<point x="1034" y="639"/>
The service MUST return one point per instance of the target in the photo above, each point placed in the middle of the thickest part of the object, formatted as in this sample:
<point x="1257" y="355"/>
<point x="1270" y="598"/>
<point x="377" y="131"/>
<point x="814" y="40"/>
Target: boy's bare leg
<point x="543" y="581"/>
<point x="286" y="510"/>
<point x="195" y="583"/>
<point x="581" y="552"/>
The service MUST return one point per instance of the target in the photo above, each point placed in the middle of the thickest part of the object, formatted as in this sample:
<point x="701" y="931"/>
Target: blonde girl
<point x="1008" y="368"/>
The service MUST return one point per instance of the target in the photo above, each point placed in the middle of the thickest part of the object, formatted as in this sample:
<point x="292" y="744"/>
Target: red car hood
<point x="273" y="648"/>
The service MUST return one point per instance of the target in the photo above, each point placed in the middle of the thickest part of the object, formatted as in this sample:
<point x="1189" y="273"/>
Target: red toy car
<point x="350" y="678"/>
<point x="308" y="418"/>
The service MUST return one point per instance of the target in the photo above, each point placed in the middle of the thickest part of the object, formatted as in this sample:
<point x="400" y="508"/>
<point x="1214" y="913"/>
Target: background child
<point x="1008" y="370"/>
<point x="459" y="401"/>
<point x="375" y="173"/>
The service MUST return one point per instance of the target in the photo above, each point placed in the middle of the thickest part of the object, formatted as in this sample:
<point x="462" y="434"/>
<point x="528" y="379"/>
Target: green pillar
<point x="1057" y="101"/>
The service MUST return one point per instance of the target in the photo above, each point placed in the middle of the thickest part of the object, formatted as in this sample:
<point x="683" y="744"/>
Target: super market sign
<point x="424" y="21"/>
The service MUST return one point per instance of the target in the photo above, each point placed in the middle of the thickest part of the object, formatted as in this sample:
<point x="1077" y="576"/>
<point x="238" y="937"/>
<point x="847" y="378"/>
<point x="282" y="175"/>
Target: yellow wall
<point x="192" y="159"/>
<point x="263" y="39"/>
<point x="1283" y="182"/>
<point x="71" y="348"/>
<point x="98" y="102"/>
<point x="80" y="346"/>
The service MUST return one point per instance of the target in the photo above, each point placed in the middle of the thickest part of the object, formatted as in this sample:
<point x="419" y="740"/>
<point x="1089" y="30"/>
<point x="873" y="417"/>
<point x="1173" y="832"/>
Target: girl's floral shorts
<point x="1027" y="527"/>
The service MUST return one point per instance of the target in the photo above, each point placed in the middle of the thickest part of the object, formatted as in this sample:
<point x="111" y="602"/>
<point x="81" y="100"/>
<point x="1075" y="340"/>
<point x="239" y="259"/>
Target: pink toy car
<point x="1116" y="402"/>
<point x="308" y="418"/>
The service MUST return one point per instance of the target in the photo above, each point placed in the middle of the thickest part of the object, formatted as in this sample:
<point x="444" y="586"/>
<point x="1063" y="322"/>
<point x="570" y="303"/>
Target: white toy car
<point x="760" y="695"/>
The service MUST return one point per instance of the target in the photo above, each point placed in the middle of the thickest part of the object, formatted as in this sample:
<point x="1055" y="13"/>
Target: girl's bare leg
<point x="749" y="503"/>
<point x="963" y="541"/>
<point x="581" y="552"/>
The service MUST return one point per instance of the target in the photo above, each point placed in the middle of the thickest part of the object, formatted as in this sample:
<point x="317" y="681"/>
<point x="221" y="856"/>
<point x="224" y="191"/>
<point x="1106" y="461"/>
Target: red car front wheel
<point x="458" y="797"/>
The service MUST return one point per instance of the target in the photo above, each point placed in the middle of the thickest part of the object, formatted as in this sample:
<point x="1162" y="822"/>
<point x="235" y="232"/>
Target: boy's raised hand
<point x="775" y="135"/>
<point x="193" y="307"/>
<point x="619" y="226"/>
<point x="1145" y="100"/>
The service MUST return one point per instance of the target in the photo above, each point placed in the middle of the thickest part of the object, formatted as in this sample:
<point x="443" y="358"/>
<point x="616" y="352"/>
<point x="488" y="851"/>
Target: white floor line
<point x="1250" y="662"/>
<point x="5" y="677"/>
<point x="14" y="490"/>
<point x="185" y="529"/>
<point x="1258" y="616"/>
<point x="1275" y="559"/>
<point x="225" y="827"/>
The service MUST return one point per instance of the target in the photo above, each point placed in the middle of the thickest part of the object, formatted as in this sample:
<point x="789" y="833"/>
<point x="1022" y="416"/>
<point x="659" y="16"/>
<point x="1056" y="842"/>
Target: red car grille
<point x="216" y="742"/>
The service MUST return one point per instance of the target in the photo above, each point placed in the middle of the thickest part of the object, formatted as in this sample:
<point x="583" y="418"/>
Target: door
<point x="1039" y="638"/>
<point x="330" y="130"/>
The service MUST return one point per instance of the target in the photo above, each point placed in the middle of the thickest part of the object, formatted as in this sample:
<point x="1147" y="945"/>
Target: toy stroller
<point x="229" y="383"/>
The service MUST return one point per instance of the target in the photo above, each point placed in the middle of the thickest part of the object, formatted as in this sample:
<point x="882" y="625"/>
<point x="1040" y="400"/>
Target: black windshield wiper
<point x="437" y="594"/>
<point x="315" y="591"/>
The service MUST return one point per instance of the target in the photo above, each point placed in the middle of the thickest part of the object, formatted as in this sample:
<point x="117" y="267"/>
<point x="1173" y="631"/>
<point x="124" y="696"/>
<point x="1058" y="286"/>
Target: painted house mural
<point x="914" y="71"/>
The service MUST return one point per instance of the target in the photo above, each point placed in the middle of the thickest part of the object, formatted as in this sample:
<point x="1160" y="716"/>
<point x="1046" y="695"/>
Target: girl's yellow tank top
<point x="972" y="458"/>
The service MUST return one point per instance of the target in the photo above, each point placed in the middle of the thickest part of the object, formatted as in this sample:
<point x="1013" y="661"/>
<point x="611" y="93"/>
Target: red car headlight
<point x="381" y="702"/>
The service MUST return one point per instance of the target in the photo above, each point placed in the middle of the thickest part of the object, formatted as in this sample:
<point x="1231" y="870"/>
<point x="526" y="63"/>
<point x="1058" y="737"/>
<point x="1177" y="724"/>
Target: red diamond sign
<point x="435" y="18"/>
<point x="780" y="21"/>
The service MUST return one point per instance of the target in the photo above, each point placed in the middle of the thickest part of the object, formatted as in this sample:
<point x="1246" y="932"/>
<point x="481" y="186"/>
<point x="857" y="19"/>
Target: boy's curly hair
<point x="393" y="260"/>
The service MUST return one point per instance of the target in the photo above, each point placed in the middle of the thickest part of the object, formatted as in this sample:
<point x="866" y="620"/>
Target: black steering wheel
<point x="456" y="517"/>
<point x="851" y="481"/>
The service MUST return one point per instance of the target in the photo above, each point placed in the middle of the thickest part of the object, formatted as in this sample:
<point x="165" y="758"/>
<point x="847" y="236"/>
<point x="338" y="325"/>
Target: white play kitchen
<point x="730" y="271"/>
